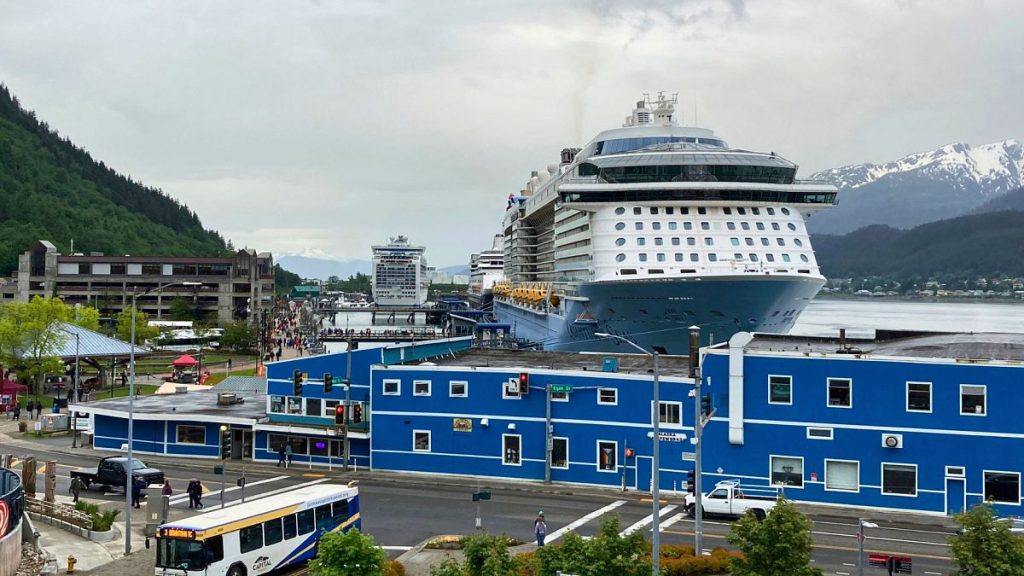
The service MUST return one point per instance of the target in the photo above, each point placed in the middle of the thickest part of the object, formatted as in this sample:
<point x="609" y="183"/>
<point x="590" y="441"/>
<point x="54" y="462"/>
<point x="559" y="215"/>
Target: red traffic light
<point x="339" y="414"/>
<point x="524" y="383"/>
<point x="357" y="413"/>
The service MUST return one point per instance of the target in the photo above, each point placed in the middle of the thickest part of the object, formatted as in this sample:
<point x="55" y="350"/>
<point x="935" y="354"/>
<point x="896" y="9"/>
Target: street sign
<point x="689" y="456"/>
<point x="218" y="469"/>
<point x="478" y="496"/>
<point x="671" y="436"/>
<point x="561" y="388"/>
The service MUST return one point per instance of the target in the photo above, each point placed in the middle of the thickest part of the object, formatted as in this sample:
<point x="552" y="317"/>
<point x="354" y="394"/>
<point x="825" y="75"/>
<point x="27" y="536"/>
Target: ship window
<point x="641" y="241"/>
<point x="694" y="257"/>
<point x="760" y="225"/>
<point x="803" y="257"/>
<point x="691" y="241"/>
<point x="734" y="241"/>
<point x="791" y="226"/>
<point x="659" y="241"/>
<point x="745" y="225"/>
<point x="785" y="258"/>
<point x="670" y="210"/>
<point x="705" y="226"/>
<point x="730" y="225"/>
<point x="755" y="211"/>
<point x="656" y="225"/>
<point x="620" y="211"/>
<point x="620" y="226"/>
<point x="620" y="241"/>
<point x="675" y="241"/>
<point x="661" y="257"/>
<point x="780" y="241"/>
<point x="798" y="242"/>
<point x="637" y="210"/>
<point x="627" y="271"/>
<point x="741" y="211"/>
<point x="643" y="257"/>
<point x="785" y="211"/>
<point x="727" y="210"/>
<point x="712" y="257"/>
<point x="753" y="257"/>
<point x="702" y="210"/>
<point x="709" y="241"/>
<point x="764" y="242"/>
<point x="679" y="257"/>
<point x="771" y="211"/>
<point x="749" y="241"/>
<point x="620" y="257"/>
<point x="769" y="257"/>
<point x="687" y="225"/>
<point x="654" y="211"/>
<point x="775" y="226"/>
<point x="672" y="225"/>
<point x="737" y="257"/>
<point x="639" y="225"/>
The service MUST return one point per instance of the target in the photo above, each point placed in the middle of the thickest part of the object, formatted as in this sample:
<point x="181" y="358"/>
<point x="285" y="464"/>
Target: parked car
<point x="730" y="499"/>
<point x="111" y="472"/>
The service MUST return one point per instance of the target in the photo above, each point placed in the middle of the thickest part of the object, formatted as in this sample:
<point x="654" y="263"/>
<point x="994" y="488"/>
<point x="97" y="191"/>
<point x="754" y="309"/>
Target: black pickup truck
<point x="110" y="472"/>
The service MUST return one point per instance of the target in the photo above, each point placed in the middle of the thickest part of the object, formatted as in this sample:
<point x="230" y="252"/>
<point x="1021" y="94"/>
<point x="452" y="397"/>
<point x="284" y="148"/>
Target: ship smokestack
<point x="568" y="155"/>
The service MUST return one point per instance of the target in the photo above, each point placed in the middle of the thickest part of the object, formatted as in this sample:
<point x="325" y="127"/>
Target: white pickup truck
<point x="730" y="499"/>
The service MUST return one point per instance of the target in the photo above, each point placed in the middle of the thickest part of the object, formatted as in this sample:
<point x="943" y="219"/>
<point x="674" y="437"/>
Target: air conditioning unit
<point x="892" y="440"/>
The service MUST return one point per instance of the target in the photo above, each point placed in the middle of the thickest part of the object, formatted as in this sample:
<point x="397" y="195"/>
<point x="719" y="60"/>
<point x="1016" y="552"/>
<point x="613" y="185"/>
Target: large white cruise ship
<point x="486" y="268"/>
<point x="400" y="274"/>
<point x="652" y="228"/>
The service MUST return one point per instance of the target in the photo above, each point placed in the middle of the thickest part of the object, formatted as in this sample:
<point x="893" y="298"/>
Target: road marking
<point x="889" y="552"/>
<point x="887" y="528"/>
<point x="405" y="548"/>
<point x="206" y="490"/>
<point x="842" y="535"/>
<point x="314" y="475"/>
<point x="645" y="521"/>
<point x="271" y="493"/>
<point x="583" y="520"/>
<point x="672" y="521"/>
<point x="934" y="573"/>
<point x="849" y="564"/>
<point x="842" y="573"/>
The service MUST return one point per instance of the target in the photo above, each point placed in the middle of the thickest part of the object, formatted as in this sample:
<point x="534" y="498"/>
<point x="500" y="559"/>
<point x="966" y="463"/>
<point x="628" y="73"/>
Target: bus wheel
<point x="236" y="570"/>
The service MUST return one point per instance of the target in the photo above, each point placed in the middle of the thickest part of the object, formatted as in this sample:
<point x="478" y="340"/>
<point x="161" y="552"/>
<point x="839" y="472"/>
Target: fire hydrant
<point x="71" y="563"/>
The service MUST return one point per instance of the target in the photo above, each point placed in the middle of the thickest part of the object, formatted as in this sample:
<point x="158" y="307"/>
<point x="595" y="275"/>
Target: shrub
<point x="395" y="568"/>
<point x="676" y="551"/>
<point x="448" y="567"/>
<point x="103" y="521"/>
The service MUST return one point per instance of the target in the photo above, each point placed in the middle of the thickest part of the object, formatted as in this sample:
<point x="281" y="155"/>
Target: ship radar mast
<point x="660" y="112"/>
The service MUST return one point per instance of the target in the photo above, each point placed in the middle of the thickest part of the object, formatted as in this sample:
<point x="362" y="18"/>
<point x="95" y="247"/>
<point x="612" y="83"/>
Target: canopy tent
<point x="184" y="361"/>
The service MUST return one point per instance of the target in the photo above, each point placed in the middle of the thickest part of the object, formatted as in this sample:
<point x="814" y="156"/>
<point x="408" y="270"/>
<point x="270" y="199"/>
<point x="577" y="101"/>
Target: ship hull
<point x="657" y="314"/>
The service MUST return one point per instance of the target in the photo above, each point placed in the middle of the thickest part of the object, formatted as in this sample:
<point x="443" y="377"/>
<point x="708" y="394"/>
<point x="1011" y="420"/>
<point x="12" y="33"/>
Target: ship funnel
<point x="569" y="154"/>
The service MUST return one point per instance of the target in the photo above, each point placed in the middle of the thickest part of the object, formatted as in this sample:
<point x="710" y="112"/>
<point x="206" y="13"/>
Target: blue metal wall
<point x="148" y="436"/>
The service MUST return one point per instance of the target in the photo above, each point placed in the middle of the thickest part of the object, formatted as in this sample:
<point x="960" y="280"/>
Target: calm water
<point x="824" y="317"/>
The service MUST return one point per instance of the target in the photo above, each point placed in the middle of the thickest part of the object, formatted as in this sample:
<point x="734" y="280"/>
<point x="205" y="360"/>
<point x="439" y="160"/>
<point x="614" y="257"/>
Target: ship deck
<point x="678" y="366"/>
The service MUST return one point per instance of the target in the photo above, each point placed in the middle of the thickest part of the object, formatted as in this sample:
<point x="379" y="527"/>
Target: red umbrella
<point x="184" y="361"/>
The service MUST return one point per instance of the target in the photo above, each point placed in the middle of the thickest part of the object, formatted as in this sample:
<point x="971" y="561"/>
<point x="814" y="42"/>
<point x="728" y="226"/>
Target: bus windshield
<point x="180" y="554"/>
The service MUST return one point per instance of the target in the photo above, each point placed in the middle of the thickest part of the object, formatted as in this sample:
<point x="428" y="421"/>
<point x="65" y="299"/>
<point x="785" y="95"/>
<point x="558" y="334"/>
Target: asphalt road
<point x="400" y="512"/>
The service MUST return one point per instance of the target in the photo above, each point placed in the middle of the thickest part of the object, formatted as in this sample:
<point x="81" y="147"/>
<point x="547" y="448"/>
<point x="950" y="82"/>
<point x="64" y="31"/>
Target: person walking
<point x="76" y="487"/>
<point x="288" y="455"/>
<point x="167" y="491"/>
<point x="281" y="457"/>
<point x="195" y="494"/>
<point x="30" y="406"/>
<point x="540" y="529"/>
<point x="17" y="412"/>
<point x="137" y="484"/>
<point x="39" y="409"/>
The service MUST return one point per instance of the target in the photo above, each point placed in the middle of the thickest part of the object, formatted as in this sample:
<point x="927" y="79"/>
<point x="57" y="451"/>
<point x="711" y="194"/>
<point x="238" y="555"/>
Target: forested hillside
<point x="51" y="189"/>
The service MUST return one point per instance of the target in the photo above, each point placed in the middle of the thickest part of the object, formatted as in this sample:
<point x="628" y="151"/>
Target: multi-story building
<point x="230" y="288"/>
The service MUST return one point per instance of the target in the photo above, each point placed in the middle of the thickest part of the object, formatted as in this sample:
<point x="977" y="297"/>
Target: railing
<point x="56" y="513"/>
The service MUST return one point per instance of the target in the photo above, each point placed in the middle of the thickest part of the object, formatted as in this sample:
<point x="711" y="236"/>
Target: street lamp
<point x="655" y="492"/>
<point x="861" y="525"/>
<point x="74" y="392"/>
<point x="131" y="412"/>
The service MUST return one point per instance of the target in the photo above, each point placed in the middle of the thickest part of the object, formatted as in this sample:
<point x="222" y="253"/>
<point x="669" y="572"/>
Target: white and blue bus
<point x="257" y="536"/>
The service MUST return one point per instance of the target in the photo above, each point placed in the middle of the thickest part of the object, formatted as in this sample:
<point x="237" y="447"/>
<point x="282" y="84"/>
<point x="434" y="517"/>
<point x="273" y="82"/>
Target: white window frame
<point x="465" y="388"/>
<point x="597" y="462"/>
<point x="881" y="480"/>
<point x="511" y="383"/>
<point x="827" y="489"/>
<point x="828" y="385"/>
<point x="930" y="397"/>
<point x="831" y="433"/>
<point x="615" y="400"/>
<point x="770" y="376"/>
<point x="951" y="472"/>
<point x="396" y="382"/>
<point x="1017" y="474"/>
<point x="504" y="462"/>
<point x="670" y="424"/>
<point x="430" y="441"/>
<point x="177" y="435"/>
<point x="803" y="469"/>
<point x="416" y="392"/>
<point x="566" y="438"/>
<point x="984" y="405"/>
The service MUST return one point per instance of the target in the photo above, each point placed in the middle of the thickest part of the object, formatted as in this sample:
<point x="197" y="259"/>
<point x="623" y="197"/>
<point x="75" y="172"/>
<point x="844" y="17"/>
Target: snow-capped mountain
<point x="924" y="187"/>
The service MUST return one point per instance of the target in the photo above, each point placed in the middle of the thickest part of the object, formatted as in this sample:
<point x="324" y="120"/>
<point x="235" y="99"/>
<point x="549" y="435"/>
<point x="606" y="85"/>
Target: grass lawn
<point x="219" y="377"/>
<point x="119" y="391"/>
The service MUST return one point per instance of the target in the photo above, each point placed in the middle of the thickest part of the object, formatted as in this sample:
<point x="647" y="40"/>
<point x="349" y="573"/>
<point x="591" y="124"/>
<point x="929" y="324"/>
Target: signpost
<point x="561" y="388"/>
<point x="477" y="497"/>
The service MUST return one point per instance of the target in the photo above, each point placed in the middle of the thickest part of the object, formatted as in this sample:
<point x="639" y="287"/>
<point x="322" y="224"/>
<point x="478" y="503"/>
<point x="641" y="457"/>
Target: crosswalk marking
<point x="274" y="492"/>
<point x="650" y="518"/>
<point x="206" y="490"/>
<point x="583" y="520"/>
<point x="672" y="520"/>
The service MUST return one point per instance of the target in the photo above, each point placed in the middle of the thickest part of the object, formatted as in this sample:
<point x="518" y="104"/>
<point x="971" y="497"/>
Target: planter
<point x="106" y="536"/>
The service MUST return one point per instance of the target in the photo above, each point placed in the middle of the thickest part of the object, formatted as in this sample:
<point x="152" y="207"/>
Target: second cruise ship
<point x="400" y="274"/>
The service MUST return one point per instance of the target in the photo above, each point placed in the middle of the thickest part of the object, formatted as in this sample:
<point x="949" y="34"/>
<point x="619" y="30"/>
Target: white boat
<point x="486" y="268"/>
<point x="401" y="276"/>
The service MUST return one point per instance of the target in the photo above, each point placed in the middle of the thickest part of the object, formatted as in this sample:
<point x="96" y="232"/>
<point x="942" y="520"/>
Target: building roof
<point x="243" y="384"/>
<point x="92" y="344"/>
<point x="525" y="359"/>
<point x="896" y="343"/>
<point x="199" y="405"/>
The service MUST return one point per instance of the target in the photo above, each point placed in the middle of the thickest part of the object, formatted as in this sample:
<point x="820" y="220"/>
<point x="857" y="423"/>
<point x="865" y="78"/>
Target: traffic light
<point x="328" y="383"/>
<point x="691" y="482"/>
<point x="297" y="383"/>
<point x="705" y="405"/>
<point x="339" y="415"/>
<point x="357" y="413"/>
<point x="524" y="383"/>
<point x="225" y="444"/>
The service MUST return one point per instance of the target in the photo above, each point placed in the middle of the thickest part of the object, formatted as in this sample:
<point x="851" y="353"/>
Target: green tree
<point x="143" y="331"/>
<point x="606" y="554"/>
<point x="33" y="337"/>
<point x="85" y="316"/>
<point x="181" y="309"/>
<point x="985" y="546"/>
<point x="284" y="280"/>
<point x="780" y="545"/>
<point x="239" y="335"/>
<point x="348" y="554"/>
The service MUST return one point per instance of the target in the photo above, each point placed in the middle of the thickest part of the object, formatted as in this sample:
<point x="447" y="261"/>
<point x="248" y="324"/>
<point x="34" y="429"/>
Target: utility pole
<point x="547" y="436"/>
<point x="698" y="430"/>
<point x="348" y="399"/>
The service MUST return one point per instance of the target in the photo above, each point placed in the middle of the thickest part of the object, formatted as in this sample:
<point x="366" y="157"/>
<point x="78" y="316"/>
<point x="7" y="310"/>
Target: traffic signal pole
<point x="547" y="436"/>
<point x="698" y="432"/>
<point x="348" y="399"/>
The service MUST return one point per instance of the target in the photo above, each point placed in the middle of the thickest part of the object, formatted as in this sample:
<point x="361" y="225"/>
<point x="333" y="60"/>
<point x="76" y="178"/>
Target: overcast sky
<point x="320" y="128"/>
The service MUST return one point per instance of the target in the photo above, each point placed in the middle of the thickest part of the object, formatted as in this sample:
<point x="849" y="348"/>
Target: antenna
<point x="695" y="106"/>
